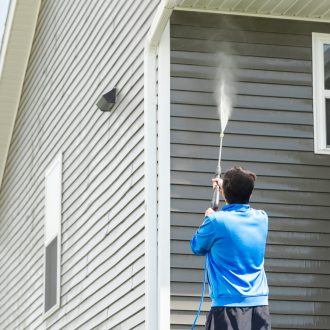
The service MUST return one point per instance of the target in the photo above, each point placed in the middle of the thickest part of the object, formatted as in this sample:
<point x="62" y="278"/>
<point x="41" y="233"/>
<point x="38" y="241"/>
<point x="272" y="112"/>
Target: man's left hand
<point x="209" y="211"/>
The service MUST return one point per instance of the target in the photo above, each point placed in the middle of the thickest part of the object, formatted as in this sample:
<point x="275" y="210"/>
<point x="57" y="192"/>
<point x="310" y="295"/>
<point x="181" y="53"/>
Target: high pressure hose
<point x="215" y="204"/>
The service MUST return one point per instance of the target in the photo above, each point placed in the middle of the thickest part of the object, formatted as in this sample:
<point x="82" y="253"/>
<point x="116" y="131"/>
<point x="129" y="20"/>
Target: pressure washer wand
<point x="216" y="191"/>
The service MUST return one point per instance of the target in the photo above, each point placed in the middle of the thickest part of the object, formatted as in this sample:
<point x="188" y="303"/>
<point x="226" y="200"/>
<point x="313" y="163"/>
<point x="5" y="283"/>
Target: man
<point x="234" y="240"/>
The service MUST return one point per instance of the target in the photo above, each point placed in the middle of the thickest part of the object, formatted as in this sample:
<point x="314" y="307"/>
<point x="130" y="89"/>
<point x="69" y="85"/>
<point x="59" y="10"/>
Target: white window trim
<point x="57" y="162"/>
<point x="319" y="93"/>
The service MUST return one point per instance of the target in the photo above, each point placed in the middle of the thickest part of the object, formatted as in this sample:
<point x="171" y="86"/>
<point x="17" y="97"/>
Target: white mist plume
<point x="225" y="87"/>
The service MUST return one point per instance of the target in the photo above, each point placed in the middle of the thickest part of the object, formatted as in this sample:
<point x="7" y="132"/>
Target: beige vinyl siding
<point x="271" y="133"/>
<point x="81" y="49"/>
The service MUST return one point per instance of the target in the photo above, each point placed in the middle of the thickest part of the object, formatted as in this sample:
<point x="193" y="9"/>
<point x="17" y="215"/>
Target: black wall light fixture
<point x="107" y="101"/>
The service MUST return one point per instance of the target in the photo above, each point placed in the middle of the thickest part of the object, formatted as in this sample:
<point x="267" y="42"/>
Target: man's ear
<point x="223" y="195"/>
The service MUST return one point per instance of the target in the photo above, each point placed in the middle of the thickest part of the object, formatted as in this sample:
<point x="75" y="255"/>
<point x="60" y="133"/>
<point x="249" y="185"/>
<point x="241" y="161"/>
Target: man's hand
<point x="217" y="182"/>
<point x="209" y="211"/>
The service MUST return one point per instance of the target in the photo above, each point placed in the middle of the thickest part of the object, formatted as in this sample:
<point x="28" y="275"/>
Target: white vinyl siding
<point x="80" y="51"/>
<point x="321" y="87"/>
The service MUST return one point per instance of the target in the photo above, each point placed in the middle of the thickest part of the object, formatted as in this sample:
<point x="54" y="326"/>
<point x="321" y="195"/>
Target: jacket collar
<point x="236" y="207"/>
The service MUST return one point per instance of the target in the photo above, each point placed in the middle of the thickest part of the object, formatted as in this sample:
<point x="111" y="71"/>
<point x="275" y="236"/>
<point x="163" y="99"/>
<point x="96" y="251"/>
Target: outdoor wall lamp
<point x="107" y="101"/>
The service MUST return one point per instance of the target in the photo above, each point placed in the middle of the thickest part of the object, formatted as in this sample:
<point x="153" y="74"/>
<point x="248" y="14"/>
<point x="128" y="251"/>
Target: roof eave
<point x="19" y="33"/>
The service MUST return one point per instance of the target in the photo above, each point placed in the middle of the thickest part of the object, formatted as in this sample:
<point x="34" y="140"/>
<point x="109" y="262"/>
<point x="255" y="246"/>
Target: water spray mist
<point x="224" y="96"/>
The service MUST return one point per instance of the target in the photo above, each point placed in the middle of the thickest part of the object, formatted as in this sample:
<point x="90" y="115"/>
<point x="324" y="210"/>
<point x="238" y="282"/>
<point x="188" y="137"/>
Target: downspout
<point x="157" y="27"/>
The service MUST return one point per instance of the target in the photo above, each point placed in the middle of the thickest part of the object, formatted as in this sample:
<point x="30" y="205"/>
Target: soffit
<point x="297" y="9"/>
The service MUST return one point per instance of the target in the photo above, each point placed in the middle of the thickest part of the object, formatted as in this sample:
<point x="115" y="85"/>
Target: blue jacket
<point x="234" y="241"/>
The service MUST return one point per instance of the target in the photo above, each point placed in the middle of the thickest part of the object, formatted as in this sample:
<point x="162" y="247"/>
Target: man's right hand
<point x="217" y="182"/>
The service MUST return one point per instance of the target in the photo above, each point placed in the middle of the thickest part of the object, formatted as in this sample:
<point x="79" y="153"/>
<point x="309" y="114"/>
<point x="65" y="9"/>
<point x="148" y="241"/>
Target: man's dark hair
<point x="238" y="184"/>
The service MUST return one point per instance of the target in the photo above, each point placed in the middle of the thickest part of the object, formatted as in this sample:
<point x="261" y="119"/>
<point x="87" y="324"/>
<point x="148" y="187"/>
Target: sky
<point x="3" y="14"/>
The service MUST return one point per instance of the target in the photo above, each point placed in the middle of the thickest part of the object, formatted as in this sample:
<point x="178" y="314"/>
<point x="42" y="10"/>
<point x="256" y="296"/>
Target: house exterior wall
<point x="270" y="133"/>
<point x="81" y="50"/>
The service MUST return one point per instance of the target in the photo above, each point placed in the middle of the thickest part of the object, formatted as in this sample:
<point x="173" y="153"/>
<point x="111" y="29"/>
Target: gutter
<point x="157" y="27"/>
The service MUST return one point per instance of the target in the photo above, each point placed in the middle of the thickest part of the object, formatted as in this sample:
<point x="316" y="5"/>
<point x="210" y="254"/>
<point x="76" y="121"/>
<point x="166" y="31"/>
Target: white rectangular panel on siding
<point x="53" y="199"/>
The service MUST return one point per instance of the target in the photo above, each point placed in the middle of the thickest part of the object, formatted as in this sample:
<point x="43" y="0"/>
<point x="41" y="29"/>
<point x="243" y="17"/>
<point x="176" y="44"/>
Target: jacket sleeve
<point x="204" y="237"/>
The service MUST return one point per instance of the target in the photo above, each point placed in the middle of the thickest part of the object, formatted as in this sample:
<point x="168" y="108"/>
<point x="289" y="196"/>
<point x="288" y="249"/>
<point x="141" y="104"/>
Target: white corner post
<point x="152" y="287"/>
<point x="164" y="178"/>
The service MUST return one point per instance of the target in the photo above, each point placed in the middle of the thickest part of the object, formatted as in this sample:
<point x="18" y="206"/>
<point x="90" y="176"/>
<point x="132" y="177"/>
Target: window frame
<point x="320" y="94"/>
<point x="55" y="207"/>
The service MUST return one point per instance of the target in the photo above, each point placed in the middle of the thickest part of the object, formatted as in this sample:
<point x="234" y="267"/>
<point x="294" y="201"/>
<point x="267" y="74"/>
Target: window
<point x="321" y="92"/>
<point x="52" y="236"/>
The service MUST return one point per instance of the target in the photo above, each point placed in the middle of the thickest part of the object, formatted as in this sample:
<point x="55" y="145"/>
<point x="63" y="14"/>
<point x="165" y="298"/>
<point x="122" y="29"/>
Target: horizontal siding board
<point x="242" y="88"/>
<point x="302" y="322"/>
<point x="263" y="182"/>
<point x="250" y="154"/>
<point x="277" y="292"/>
<point x="274" y="237"/>
<point x="272" y="251"/>
<point x="181" y="318"/>
<point x="242" y="128"/>
<point x="244" y="101"/>
<point x="280" y="265"/>
<point x="299" y="308"/>
<point x="234" y="139"/>
<point x="244" y="75"/>
<point x="273" y="210"/>
<point x="242" y="49"/>
<point x="262" y="168"/>
<point x="276" y="223"/>
<point x="243" y="114"/>
<point x="227" y="34"/>
<point x="206" y="61"/>
<point x="287" y="279"/>
<point x="296" y="198"/>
